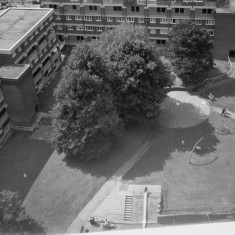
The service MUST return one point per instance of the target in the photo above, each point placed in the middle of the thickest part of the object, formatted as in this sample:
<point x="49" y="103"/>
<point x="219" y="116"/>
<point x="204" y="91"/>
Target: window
<point x="26" y="43"/>
<point x="80" y="28"/>
<point x="55" y="7"/>
<point x="179" y="10"/>
<point x="206" y="11"/>
<point x="99" y="28"/>
<point x="13" y="54"/>
<point x="152" y="20"/>
<point x="41" y="28"/>
<point x="152" y="31"/>
<point x="119" y="19"/>
<point x="117" y="8"/>
<point x="210" y="22"/>
<point x="74" y="7"/>
<point x="88" y="18"/>
<point x="161" y="9"/>
<point x="36" y="32"/>
<point x="80" y="38"/>
<point x="19" y="48"/>
<point x="70" y="27"/>
<point x="89" y="28"/>
<point x="211" y="32"/>
<point x="164" y="31"/>
<point x="164" y="21"/>
<point x="174" y="21"/>
<point x="135" y="8"/>
<point x="161" y="41"/>
<point x="198" y="22"/>
<point x="140" y="20"/>
<point x="58" y="17"/>
<point x="32" y="36"/>
<point x="93" y="8"/>
<point x="109" y="19"/>
<point x="78" y="17"/>
<point x="130" y="19"/>
<point x="98" y="18"/>
<point x="68" y="18"/>
<point x="59" y="27"/>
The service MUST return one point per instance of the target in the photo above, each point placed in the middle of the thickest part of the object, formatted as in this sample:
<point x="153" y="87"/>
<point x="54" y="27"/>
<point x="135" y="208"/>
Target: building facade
<point x="87" y="19"/>
<point x="27" y="36"/>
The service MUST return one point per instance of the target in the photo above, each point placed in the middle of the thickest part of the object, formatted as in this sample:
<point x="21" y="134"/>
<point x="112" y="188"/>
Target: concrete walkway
<point x="219" y="110"/>
<point x="84" y="215"/>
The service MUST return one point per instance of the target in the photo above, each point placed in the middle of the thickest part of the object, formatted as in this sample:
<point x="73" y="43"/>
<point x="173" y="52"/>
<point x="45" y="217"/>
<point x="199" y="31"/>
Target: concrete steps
<point x="128" y="208"/>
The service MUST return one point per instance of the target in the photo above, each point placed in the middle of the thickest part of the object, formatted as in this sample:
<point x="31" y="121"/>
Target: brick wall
<point x="224" y="39"/>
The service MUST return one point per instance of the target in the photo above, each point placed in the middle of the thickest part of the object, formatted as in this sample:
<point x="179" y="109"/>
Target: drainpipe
<point x="144" y="222"/>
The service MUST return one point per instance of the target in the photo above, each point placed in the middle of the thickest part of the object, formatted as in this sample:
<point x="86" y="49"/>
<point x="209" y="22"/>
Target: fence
<point x="210" y="81"/>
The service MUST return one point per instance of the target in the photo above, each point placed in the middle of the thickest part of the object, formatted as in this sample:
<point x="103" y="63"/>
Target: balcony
<point x="47" y="65"/>
<point x="113" y="2"/>
<point x="51" y="36"/>
<point x="3" y="118"/>
<point x="89" y="2"/>
<point x="42" y="45"/>
<point x="37" y="77"/>
<point x="151" y="2"/>
<point x="33" y="55"/>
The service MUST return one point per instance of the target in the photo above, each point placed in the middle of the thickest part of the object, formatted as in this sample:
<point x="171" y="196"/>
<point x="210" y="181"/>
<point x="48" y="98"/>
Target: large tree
<point x="138" y="75"/>
<point x="190" y="50"/>
<point x="85" y="119"/>
<point x="13" y="216"/>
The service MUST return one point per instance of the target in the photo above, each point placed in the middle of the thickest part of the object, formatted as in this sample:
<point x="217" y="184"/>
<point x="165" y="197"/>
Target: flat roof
<point x="225" y="10"/>
<point x="13" y="71"/>
<point x="16" y="23"/>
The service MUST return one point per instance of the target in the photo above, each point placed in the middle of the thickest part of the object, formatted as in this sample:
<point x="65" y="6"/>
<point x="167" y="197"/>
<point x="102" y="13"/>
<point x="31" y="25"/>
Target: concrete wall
<point x="21" y="99"/>
<point x="224" y="39"/>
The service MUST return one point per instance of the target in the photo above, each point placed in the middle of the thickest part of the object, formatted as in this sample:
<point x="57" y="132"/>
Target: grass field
<point x="166" y="163"/>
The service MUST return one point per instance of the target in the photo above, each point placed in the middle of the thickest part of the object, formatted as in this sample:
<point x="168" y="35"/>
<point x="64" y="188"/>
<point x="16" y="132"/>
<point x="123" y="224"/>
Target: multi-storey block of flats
<point x="27" y="36"/>
<point x="81" y="19"/>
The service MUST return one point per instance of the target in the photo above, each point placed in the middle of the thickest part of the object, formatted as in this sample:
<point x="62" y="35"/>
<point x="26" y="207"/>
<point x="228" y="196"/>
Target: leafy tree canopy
<point x="85" y="119"/>
<point x="190" y="50"/>
<point x="139" y="76"/>
<point x="13" y="217"/>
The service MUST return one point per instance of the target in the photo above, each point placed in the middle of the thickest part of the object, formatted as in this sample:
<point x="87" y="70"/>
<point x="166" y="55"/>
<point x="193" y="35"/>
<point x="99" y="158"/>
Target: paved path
<point x="219" y="110"/>
<point x="84" y="215"/>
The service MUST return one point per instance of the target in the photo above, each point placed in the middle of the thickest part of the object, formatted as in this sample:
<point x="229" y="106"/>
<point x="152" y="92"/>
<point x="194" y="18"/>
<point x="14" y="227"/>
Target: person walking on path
<point x="224" y="112"/>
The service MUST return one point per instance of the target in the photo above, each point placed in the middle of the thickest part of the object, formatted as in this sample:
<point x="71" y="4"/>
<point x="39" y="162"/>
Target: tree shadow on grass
<point x="226" y="90"/>
<point x="168" y="142"/>
<point x="111" y="161"/>
<point x="21" y="161"/>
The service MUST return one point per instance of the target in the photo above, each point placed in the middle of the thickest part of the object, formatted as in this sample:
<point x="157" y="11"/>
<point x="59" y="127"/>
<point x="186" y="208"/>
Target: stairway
<point x="128" y="208"/>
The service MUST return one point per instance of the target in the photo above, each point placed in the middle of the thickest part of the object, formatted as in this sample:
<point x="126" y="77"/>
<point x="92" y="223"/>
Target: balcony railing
<point x="113" y="2"/>
<point x="151" y="2"/>
<point x="33" y="55"/>
<point x="37" y="77"/>
<point x="47" y="65"/>
<point x="3" y="118"/>
<point x="42" y="45"/>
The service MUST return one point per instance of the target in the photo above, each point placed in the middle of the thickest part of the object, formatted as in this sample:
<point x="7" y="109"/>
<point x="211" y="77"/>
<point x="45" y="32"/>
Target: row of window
<point x="140" y="20"/>
<point x="31" y="37"/>
<point x="137" y="8"/>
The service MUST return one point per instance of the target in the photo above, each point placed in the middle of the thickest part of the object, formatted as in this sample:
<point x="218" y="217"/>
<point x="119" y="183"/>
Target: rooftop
<point x="12" y="71"/>
<point x="15" y="23"/>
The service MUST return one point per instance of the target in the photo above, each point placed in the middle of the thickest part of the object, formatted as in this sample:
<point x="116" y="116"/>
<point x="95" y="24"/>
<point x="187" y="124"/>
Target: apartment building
<point x="27" y="40"/>
<point x="77" y="20"/>
<point x="27" y="36"/>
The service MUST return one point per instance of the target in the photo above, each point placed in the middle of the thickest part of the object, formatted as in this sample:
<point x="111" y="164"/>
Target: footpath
<point x="85" y="213"/>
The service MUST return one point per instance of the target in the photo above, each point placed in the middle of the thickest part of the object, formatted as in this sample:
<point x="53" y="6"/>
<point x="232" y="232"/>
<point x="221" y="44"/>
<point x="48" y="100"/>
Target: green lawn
<point x="166" y="163"/>
<point x="63" y="188"/>
<point x="225" y="95"/>
<point x="22" y="155"/>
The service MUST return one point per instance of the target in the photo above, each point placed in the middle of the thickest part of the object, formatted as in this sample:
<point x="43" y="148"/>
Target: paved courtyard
<point x="182" y="110"/>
